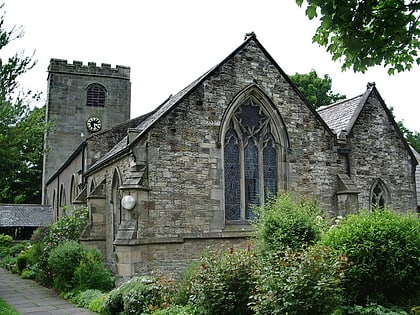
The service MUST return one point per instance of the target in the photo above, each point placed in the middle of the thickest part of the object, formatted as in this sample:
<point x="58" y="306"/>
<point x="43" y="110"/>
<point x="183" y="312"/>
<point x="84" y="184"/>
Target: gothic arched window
<point x="379" y="197"/>
<point x="251" y="160"/>
<point x="95" y="95"/>
<point x="116" y="202"/>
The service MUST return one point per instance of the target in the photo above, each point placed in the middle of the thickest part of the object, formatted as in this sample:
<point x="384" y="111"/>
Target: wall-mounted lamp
<point x="128" y="202"/>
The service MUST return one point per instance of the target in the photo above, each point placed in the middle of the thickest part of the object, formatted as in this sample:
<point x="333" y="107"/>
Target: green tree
<point x="368" y="33"/>
<point x="315" y="89"/>
<point x="21" y="129"/>
<point x="412" y="137"/>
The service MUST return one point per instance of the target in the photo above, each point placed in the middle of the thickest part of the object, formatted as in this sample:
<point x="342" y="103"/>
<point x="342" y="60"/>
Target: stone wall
<point x="378" y="152"/>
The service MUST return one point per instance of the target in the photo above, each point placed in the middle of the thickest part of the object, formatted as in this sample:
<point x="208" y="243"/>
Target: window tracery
<point x="251" y="163"/>
<point x="379" y="195"/>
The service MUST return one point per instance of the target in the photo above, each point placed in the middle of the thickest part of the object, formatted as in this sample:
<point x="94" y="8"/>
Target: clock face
<point x="94" y="124"/>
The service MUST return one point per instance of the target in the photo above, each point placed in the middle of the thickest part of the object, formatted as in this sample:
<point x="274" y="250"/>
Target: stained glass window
<point x="251" y="163"/>
<point x="251" y="179"/>
<point x="232" y="181"/>
<point x="270" y="170"/>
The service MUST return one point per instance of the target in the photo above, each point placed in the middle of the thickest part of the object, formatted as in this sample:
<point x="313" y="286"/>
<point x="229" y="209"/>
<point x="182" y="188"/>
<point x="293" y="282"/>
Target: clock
<point x="94" y="124"/>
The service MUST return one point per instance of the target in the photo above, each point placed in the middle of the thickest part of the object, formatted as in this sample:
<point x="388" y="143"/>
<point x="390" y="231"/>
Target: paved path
<point x="28" y="297"/>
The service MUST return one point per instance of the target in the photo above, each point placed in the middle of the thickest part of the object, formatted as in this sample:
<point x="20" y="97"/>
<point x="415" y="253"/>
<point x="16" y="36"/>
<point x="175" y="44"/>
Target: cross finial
<point x="248" y="35"/>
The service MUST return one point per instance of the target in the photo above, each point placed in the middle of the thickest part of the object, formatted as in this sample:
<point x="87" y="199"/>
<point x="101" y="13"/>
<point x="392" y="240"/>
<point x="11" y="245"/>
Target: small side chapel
<point x="164" y="186"/>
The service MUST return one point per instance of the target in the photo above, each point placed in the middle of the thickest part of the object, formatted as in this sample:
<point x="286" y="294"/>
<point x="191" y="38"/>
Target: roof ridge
<point x="338" y="103"/>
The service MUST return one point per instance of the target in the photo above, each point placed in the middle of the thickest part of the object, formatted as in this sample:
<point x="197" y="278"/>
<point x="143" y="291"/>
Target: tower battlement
<point x="91" y="69"/>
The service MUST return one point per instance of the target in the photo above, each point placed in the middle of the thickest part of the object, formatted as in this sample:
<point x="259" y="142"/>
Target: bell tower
<point x="81" y="100"/>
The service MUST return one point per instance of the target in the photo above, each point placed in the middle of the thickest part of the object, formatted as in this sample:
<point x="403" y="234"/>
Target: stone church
<point x="162" y="187"/>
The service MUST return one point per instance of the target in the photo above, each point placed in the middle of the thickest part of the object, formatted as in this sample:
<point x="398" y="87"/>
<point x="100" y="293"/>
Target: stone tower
<point x="81" y="100"/>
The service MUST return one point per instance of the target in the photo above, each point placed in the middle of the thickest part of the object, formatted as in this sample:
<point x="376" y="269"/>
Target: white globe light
<point x="128" y="202"/>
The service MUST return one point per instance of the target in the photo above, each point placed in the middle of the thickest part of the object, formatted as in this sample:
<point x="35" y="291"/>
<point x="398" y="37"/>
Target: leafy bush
<point x="184" y="284"/>
<point x="92" y="272"/>
<point x="188" y="309"/>
<point x="299" y="282"/>
<point x="84" y="298"/>
<point x="68" y="227"/>
<point x="224" y="282"/>
<point x="5" y="240"/>
<point x="284" y="222"/>
<point x="372" y="309"/>
<point x="9" y="263"/>
<point x="14" y="250"/>
<point x="138" y="295"/>
<point x="28" y="274"/>
<point x="63" y="261"/>
<point x="21" y="261"/>
<point x="383" y="249"/>
<point x="97" y="303"/>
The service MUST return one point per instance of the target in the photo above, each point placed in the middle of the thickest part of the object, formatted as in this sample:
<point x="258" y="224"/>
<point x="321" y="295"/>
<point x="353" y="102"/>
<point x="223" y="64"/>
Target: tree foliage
<point x="21" y="129"/>
<point x="315" y="89"/>
<point x="368" y="33"/>
<point x="412" y="137"/>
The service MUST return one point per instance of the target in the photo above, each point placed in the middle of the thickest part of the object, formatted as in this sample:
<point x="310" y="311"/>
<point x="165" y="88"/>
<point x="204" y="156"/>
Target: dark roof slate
<point x="149" y="120"/>
<point x="25" y="215"/>
<point x="338" y="115"/>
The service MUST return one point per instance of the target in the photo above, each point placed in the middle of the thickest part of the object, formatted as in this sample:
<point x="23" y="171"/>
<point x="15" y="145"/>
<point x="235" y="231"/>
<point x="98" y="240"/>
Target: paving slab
<point x="29" y="297"/>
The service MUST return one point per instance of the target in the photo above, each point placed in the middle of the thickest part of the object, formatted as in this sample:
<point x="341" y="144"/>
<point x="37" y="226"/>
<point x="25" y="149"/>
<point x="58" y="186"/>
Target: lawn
<point x="5" y="309"/>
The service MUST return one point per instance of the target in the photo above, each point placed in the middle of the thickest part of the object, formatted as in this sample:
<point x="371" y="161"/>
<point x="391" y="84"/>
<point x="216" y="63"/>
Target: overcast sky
<point x="168" y="44"/>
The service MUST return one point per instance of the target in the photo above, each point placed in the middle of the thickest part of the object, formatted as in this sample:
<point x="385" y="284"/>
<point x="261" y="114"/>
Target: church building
<point x="164" y="186"/>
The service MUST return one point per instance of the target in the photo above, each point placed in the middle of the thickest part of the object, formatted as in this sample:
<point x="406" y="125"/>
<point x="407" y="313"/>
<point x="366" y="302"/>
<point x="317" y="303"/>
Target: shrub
<point x="21" y="261"/>
<point x="224" y="282"/>
<point x="28" y="274"/>
<point x="92" y="273"/>
<point x="184" y="284"/>
<point x="284" y="222"/>
<point x="299" y="283"/>
<point x="188" y="309"/>
<point x="63" y="261"/>
<point x="372" y="309"/>
<point x="68" y="227"/>
<point x="9" y="263"/>
<point x="136" y="296"/>
<point x="383" y="248"/>
<point x="84" y="298"/>
<point x="5" y="240"/>
<point x="97" y="303"/>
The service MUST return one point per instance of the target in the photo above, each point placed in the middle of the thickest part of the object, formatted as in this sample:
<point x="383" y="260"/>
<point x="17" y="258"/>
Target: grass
<point x="6" y="309"/>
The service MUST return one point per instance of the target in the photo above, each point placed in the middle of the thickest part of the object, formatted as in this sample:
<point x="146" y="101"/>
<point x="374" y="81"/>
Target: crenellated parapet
<point x="91" y="69"/>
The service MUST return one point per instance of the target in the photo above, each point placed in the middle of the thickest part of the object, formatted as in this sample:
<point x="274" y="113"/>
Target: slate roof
<point x="148" y="121"/>
<point x="123" y="146"/>
<point x="25" y="215"/>
<point x="338" y="115"/>
<point x="342" y="116"/>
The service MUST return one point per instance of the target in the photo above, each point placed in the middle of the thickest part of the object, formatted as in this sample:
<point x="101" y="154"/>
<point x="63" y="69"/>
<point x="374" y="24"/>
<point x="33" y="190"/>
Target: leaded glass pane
<point x="378" y="196"/>
<point x="249" y="116"/>
<point x="251" y="179"/>
<point x="270" y="171"/>
<point x="232" y="181"/>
